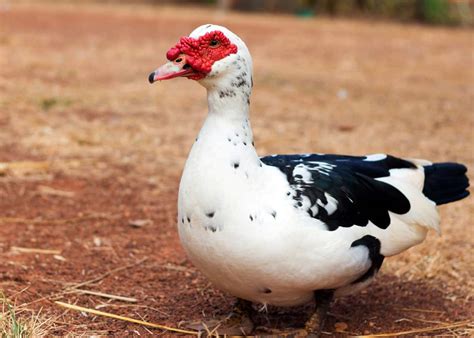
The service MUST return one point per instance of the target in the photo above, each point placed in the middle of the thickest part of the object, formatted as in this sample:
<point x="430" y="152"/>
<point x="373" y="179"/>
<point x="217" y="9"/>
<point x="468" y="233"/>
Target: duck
<point x="285" y="230"/>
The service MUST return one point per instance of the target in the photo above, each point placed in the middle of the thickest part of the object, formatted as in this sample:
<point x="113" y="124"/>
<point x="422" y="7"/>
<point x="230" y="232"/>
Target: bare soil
<point x="87" y="147"/>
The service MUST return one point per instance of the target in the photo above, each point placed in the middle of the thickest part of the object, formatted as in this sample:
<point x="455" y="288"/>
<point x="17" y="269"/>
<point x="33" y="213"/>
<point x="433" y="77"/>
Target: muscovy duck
<point x="288" y="229"/>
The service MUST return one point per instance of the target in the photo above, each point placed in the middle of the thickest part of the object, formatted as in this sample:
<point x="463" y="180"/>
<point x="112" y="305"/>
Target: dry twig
<point x="127" y="319"/>
<point x="23" y="167"/>
<point x="418" y="310"/>
<point x="45" y="190"/>
<point x="72" y="288"/>
<point x="106" y="295"/>
<point x="56" y="221"/>
<point x="175" y="267"/>
<point x="35" y="250"/>
<point x="416" y="331"/>
<point x="94" y="280"/>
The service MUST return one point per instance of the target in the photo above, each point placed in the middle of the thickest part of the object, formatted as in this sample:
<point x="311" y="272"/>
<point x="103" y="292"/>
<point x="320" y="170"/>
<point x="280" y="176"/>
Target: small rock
<point x="138" y="223"/>
<point x="59" y="258"/>
<point x="97" y="241"/>
<point x="340" y="326"/>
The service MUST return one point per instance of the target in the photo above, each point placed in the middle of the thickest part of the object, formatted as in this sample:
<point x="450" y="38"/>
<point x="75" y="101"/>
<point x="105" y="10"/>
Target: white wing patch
<point x="323" y="168"/>
<point x="303" y="172"/>
<point x="375" y="157"/>
<point x="331" y="206"/>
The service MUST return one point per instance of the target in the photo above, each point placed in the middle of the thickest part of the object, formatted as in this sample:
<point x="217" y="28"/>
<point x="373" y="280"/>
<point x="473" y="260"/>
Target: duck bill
<point x="168" y="71"/>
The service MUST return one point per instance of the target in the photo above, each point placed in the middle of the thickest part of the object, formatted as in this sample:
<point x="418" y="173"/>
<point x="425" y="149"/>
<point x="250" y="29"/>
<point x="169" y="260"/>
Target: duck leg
<point x="240" y="321"/>
<point x="315" y="324"/>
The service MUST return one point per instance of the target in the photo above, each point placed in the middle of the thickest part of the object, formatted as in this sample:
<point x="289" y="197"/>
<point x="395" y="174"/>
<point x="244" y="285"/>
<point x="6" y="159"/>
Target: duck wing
<point x="345" y="191"/>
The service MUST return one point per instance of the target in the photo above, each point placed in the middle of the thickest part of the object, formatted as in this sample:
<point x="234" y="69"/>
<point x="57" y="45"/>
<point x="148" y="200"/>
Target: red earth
<point x="87" y="148"/>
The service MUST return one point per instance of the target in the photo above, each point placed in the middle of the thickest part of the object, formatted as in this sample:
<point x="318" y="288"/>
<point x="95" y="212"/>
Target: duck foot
<point x="240" y="321"/>
<point x="315" y="324"/>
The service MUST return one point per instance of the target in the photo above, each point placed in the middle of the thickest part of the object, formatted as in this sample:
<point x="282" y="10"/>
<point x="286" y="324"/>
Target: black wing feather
<point x="446" y="182"/>
<point x="350" y="180"/>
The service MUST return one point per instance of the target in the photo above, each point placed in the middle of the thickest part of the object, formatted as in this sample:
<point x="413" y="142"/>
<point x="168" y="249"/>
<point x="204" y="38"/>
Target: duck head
<point x="211" y="55"/>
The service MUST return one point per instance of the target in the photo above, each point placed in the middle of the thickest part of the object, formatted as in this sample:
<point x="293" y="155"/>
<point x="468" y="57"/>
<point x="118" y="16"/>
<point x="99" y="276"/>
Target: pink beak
<point x="171" y="70"/>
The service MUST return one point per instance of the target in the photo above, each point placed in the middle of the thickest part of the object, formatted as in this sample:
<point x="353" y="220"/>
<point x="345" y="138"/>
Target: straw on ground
<point x="127" y="319"/>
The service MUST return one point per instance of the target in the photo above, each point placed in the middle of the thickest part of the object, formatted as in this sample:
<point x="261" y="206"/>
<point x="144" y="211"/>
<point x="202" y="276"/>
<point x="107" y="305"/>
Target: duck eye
<point x="214" y="43"/>
<point x="178" y="60"/>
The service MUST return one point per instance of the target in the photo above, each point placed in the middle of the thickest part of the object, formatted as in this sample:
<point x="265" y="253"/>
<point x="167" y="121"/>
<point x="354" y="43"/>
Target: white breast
<point x="239" y="226"/>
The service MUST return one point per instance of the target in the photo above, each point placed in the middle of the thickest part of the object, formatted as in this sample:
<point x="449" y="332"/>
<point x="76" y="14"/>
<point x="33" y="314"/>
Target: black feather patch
<point x="445" y="182"/>
<point x="373" y="244"/>
<point x="342" y="190"/>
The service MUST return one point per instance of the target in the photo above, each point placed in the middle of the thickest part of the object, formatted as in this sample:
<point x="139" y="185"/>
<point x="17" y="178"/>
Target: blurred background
<point x="91" y="154"/>
<point x="430" y="11"/>
<point x="447" y="12"/>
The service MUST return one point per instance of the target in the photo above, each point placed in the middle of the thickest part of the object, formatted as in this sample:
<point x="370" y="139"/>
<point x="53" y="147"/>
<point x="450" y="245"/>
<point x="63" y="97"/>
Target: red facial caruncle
<point x="193" y="58"/>
<point x="203" y="52"/>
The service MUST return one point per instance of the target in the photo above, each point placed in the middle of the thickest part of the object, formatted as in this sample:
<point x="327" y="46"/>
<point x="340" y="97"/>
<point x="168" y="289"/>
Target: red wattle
<point x="203" y="52"/>
<point x="172" y="54"/>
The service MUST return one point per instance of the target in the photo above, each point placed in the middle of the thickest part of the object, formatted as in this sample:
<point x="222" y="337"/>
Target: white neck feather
<point x="229" y="87"/>
<point x="226" y="134"/>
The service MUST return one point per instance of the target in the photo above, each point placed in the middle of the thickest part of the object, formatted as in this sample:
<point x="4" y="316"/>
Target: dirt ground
<point x="88" y="148"/>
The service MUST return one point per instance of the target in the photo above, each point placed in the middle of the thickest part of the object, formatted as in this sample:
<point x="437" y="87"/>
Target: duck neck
<point x="226" y="133"/>
<point x="229" y="112"/>
<point x="229" y="94"/>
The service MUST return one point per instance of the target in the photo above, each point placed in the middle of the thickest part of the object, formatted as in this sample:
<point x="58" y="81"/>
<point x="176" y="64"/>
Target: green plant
<point x="9" y="324"/>
<point x="434" y="11"/>
<point x="12" y="326"/>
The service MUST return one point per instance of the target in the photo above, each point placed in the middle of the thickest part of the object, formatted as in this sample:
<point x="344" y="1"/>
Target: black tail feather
<point x="445" y="182"/>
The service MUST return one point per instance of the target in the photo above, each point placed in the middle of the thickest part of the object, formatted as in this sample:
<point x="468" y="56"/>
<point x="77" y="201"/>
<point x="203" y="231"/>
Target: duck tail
<point x="445" y="182"/>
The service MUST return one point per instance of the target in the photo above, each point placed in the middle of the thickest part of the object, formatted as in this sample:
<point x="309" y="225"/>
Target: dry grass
<point x="15" y="322"/>
<point x="87" y="146"/>
<point x="126" y="319"/>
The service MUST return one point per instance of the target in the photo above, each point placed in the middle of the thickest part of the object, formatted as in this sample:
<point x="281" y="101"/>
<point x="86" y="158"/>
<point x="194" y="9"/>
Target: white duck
<point x="287" y="229"/>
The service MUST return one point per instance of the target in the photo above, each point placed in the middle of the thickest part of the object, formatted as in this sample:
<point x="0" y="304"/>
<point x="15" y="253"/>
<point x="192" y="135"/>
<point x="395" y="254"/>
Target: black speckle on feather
<point x="227" y="93"/>
<point x="240" y="81"/>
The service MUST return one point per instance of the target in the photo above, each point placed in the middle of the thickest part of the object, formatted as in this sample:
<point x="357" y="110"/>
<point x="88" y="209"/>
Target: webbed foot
<point x="240" y="321"/>
<point x="315" y="323"/>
